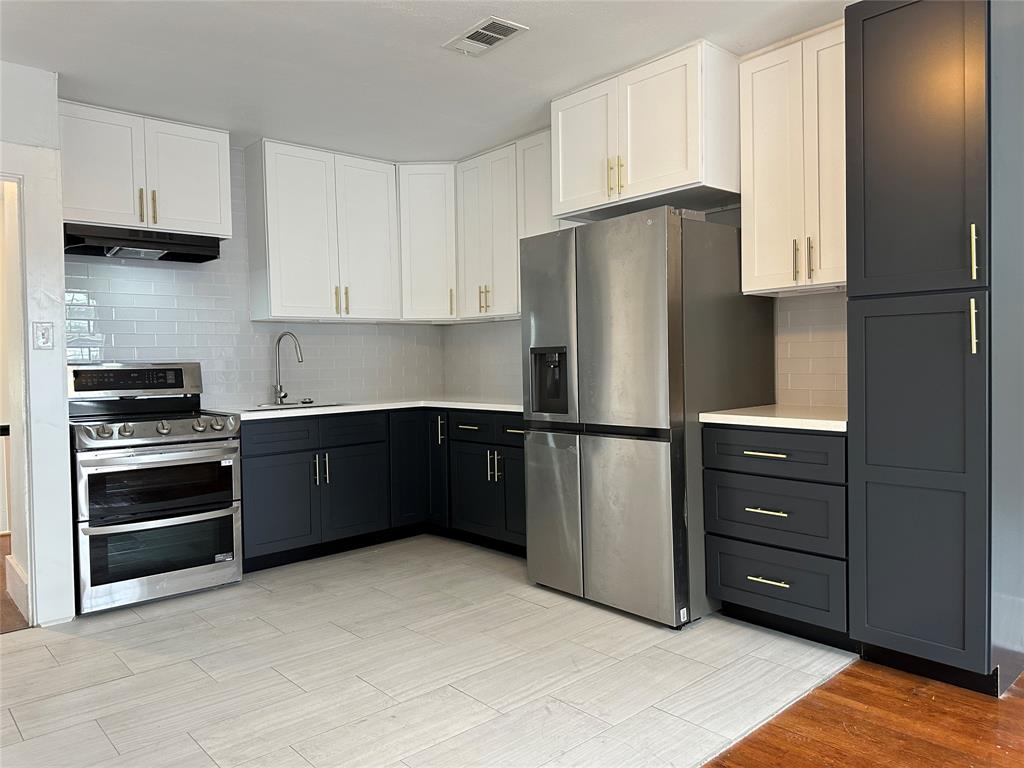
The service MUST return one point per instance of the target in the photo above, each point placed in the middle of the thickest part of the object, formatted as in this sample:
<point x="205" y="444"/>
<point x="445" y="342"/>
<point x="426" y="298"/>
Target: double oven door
<point x="158" y="521"/>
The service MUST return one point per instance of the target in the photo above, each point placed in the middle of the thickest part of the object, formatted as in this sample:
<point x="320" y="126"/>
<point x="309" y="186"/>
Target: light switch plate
<point x="42" y="335"/>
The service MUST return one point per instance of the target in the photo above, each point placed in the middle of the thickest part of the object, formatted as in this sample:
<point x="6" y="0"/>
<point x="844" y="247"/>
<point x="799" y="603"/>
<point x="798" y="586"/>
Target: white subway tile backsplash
<point x="810" y="349"/>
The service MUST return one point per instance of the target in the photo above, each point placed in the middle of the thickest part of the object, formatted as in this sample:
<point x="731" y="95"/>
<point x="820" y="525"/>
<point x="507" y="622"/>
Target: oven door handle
<point x="161" y="523"/>
<point x="99" y="464"/>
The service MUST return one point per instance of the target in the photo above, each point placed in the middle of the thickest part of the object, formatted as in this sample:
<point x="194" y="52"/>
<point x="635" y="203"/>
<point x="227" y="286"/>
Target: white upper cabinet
<point x="659" y="128"/>
<point x="488" y="243"/>
<point x="659" y="140"/>
<point x="130" y="171"/>
<point x="584" y="144"/>
<point x="426" y="195"/>
<point x="370" y="262"/>
<point x="293" y="236"/>
<point x="793" y="187"/>
<point x="188" y="171"/>
<point x="103" y="166"/>
<point x="533" y="185"/>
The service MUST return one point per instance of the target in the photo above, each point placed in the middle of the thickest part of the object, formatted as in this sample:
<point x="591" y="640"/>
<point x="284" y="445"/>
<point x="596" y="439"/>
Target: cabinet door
<point x="354" y="484"/>
<point x="584" y="146"/>
<point x="427" y="212"/>
<point x="103" y="166"/>
<point x="771" y="169"/>
<point x="438" y="460"/>
<point x="917" y="146"/>
<point x="659" y="125"/>
<point x="474" y="253"/>
<point x="302" y="232"/>
<point x="370" y="263"/>
<point x="533" y="185"/>
<point x="511" y="465"/>
<point x="280" y="503"/>
<point x="477" y="500"/>
<point x="188" y="171"/>
<point x="409" y="443"/>
<point x="501" y="294"/>
<point x="824" y="133"/>
<point x="918" y="477"/>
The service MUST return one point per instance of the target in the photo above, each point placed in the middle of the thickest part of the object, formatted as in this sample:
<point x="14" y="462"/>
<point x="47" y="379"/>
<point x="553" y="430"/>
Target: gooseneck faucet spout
<point x="279" y="394"/>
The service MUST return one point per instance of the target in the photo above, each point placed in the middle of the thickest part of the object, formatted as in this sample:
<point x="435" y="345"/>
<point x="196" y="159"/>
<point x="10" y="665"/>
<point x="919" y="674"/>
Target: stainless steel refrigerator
<point x="631" y="327"/>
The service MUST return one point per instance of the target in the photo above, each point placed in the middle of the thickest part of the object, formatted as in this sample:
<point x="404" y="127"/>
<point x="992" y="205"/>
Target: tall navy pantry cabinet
<point x="935" y="175"/>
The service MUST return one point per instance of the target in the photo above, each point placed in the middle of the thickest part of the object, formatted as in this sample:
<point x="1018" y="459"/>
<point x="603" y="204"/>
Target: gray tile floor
<point x="422" y="652"/>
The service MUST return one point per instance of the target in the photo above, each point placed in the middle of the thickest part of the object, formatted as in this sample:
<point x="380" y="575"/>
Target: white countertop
<point x="326" y="410"/>
<point x="813" y="417"/>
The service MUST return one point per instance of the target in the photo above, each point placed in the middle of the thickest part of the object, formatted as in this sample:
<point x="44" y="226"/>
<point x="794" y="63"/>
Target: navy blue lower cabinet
<point x="437" y="460"/>
<point x="280" y="503"/>
<point x="512" y="465"/>
<point x="478" y="505"/>
<point x="409" y="445"/>
<point x="354" y="485"/>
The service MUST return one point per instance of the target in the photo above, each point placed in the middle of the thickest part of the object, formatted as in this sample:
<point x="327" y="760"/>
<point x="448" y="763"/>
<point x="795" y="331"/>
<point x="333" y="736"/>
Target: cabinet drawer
<point x="783" y="513"/>
<point x="471" y="426"/>
<point x="353" y="429"/>
<point x="780" y="454"/>
<point x="803" y="587"/>
<point x="510" y="429"/>
<point x="260" y="438"/>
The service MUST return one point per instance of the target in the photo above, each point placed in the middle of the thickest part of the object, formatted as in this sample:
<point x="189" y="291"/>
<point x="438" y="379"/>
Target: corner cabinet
<point x="323" y="235"/>
<point x="126" y="170"/>
<point x="793" y="179"/>
<point x="659" y="128"/>
<point x="427" y="215"/>
<point x="488" y="243"/>
<point x="533" y="185"/>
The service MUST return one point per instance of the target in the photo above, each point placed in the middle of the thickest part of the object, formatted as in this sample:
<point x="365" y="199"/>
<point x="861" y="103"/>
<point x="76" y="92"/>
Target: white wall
<point x="28" y="113"/>
<point x="28" y="127"/>
<point x="127" y="310"/>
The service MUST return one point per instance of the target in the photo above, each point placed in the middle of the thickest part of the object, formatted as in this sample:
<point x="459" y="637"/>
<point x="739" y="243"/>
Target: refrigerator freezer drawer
<point x="554" y="555"/>
<point x="628" y="532"/>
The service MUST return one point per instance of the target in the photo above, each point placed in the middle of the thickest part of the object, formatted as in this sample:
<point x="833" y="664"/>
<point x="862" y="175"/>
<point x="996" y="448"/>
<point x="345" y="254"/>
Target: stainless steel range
<point x="157" y="484"/>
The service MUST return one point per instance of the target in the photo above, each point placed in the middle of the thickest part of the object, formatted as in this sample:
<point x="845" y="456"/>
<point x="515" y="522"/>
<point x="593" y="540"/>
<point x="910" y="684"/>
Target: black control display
<point x="107" y="379"/>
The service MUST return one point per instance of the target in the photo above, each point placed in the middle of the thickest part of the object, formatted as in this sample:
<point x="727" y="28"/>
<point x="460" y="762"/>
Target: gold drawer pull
<point x="769" y="582"/>
<point x="468" y="426"/>
<point x="766" y="455"/>
<point x="974" y="251"/>
<point x="772" y="512"/>
<point x="511" y="431"/>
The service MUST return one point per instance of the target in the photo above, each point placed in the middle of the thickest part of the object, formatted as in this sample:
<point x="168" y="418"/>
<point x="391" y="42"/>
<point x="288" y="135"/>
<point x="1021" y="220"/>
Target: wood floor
<point x="869" y="715"/>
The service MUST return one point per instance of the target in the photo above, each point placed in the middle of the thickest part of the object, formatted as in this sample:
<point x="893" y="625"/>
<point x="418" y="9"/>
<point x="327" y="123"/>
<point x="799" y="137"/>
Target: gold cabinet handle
<point x="142" y="205"/>
<point x="489" y="476"/>
<point x="347" y="311"/>
<point x="487" y="298"/>
<point x="153" y="193"/>
<point x="474" y="427"/>
<point x="337" y="300"/>
<point x="974" y="327"/>
<point x="769" y="582"/>
<point x="497" y="474"/>
<point x="510" y="431"/>
<point x="766" y="455"/>
<point x="759" y="511"/>
<point x="810" y="261"/>
<point x="974" y="251"/>
<point x="451" y="301"/>
<point x="611" y="177"/>
<point x="621" y="174"/>
<point x="480" y="299"/>
<point x="796" y="262"/>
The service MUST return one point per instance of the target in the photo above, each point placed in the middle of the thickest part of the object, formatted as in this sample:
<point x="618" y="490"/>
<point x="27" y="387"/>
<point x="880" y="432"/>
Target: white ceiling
<point x="369" y="78"/>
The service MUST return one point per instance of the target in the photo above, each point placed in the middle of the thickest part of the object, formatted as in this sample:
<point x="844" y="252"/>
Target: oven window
<point x="136" y="492"/>
<point x="132" y="555"/>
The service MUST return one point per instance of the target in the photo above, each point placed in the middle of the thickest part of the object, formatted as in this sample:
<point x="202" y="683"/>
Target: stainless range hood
<point x="117" y="243"/>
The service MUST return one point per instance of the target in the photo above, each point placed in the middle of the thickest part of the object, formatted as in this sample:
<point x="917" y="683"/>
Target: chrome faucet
<point x="279" y="394"/>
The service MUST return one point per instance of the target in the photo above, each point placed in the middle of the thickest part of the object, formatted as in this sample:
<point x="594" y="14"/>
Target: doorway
<point x="14" y="487"/>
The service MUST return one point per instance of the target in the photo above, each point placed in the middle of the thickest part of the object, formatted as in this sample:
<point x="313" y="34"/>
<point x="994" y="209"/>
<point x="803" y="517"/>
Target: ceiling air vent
<point x="484" y="35"/>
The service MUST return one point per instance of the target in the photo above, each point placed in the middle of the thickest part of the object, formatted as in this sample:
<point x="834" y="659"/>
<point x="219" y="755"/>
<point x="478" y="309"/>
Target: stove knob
<point x="217" y="423"/>
<point x="163" y="427"/>
<point x="126" y="430"/>
<point x="199" y="425"/>
<point x="104" y="431"/>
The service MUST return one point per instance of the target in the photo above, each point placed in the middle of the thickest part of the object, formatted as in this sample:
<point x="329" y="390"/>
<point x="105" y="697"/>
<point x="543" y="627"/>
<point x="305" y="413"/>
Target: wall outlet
<point x="42" y="335"/>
